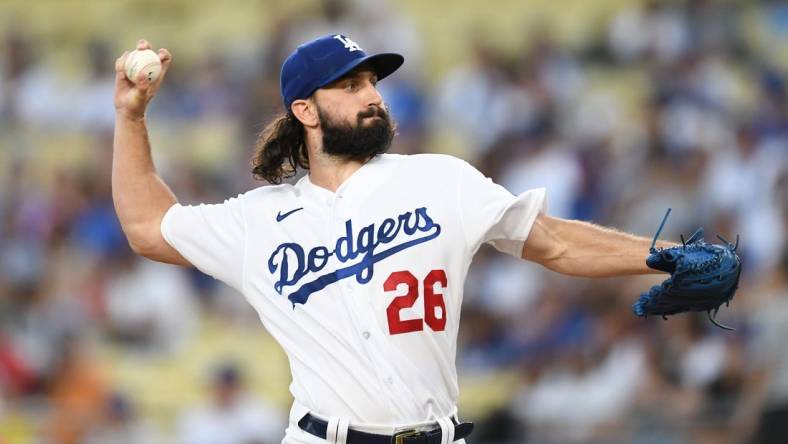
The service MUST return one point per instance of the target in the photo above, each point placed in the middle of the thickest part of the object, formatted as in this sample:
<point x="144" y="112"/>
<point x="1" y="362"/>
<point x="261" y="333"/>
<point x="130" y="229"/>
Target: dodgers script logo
<point x="292" y="263"/>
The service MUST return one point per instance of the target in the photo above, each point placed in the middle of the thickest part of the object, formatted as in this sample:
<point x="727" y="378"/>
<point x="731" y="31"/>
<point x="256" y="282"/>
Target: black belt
<point x="318" y="427"/>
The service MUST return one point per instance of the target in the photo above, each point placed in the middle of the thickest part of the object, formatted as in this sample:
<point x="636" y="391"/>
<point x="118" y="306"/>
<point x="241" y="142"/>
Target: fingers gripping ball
<point x="702" y="277"/>
<point x="145" y="61"/>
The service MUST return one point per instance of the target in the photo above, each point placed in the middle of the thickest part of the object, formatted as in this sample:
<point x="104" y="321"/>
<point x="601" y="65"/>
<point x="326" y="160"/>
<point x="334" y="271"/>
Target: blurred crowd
<point x="680" y="104"/>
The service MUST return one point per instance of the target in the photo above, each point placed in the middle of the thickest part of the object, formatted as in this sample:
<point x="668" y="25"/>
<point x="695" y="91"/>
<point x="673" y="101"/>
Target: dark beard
<point x="360" y="142"/>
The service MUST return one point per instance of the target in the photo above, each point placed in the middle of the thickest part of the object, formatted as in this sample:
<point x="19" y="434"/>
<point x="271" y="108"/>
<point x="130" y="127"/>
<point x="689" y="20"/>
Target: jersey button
<point x="365" y="334"/>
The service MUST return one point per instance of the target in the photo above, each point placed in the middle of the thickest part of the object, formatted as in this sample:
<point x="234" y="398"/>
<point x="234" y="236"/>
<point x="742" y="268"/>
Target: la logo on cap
<point x="350" y="45"/>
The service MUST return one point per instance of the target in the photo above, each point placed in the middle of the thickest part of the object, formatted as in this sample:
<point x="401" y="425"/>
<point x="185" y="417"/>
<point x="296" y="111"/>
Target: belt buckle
<point x="399" y="437"/>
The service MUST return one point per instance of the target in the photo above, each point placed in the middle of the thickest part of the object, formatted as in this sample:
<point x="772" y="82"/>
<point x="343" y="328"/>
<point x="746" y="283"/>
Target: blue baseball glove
<point x="702" y="277"/>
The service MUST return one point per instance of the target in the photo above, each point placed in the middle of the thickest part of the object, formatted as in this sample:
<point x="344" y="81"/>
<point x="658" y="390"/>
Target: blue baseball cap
<point x="319" y="62"/>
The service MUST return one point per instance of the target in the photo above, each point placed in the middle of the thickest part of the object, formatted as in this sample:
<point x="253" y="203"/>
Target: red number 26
<point x="434" y="305"/>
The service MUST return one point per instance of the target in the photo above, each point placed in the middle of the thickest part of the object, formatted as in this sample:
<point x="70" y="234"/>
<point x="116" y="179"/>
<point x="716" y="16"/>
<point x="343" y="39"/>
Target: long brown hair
<point x="280" y="150"/>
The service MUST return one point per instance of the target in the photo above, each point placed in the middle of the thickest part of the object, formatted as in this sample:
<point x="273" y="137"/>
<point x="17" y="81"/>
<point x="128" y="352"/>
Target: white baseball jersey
<point x="362" y="287"/>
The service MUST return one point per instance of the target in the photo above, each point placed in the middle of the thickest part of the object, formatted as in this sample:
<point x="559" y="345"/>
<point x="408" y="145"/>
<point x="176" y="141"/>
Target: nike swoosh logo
<point x="280" y="217"/>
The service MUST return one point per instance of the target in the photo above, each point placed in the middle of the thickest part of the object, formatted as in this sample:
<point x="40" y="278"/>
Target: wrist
<point x="129" y="116"/>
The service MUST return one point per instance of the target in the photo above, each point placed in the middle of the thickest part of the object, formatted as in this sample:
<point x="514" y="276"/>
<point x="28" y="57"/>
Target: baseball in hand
<point x="145" y="61"/>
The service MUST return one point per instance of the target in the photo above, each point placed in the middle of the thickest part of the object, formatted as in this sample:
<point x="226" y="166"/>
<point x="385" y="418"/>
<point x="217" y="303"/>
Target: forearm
<point x="141" y="197"/>
<point x="584" y="249"/>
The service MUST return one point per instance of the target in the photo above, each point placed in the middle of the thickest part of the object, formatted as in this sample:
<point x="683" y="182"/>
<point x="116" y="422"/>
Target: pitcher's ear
<point x="305" y="110"/>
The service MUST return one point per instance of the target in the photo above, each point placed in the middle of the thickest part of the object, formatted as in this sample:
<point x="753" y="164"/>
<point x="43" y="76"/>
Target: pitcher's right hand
<point x="131" y="99"/>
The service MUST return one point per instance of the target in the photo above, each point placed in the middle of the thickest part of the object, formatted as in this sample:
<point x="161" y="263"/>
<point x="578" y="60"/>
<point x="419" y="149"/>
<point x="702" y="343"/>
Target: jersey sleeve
<point x="491" y="214"/>
<point x="211" y="237"/>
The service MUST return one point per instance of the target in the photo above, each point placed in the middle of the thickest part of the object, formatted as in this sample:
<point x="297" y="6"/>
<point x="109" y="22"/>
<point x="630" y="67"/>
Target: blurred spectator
<point x="216" y="96"/>
<point x="94" y="108"/>
<point x="16" y="378"/>
<point x="741" y="180"/>
<point x="582" y="394"/>
<point x="654" y="30"/>
<point x="47" y="315"/>
<point x="535" y="165"/>
<point x="465" y="97"/>
<point x="769" y="379"/>
<point x="502" y="285"/>
<point x="120" y="424"/>
<point x="232" y="415"/>
<point x="701" y="357"/>
<point x="150" y="306"/>
<point x="96" y="229"/>
<point x="15" y="61"/>
<point x="484" y="341"/>
<point x="78" y="393"/>
<point x="554" y="68"/>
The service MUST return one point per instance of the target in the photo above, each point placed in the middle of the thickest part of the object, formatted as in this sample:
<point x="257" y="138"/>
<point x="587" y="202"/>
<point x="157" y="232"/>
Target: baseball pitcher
<point x="357" y="270"/>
